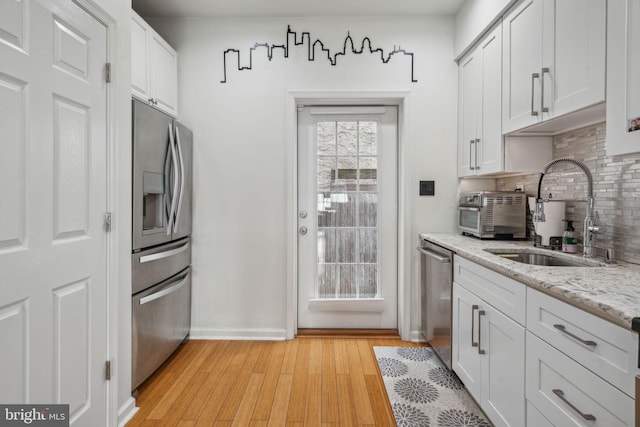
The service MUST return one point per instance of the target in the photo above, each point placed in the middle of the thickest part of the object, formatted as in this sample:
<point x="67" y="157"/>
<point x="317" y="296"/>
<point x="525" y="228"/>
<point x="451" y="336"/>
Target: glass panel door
<point x="347" y="265"/>
<point x="347" y="217"/>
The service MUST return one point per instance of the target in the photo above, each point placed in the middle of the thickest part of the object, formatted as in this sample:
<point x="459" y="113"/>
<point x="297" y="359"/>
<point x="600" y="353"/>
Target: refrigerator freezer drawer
<point x="161" y="318"/>
<point x="153" y="265"/>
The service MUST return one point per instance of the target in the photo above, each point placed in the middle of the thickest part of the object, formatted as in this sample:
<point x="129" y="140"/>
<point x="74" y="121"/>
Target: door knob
<point x="303" y="230"/>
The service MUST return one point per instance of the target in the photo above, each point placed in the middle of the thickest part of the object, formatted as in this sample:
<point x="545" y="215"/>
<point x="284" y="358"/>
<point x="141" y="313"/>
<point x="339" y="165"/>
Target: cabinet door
<point x="502" y="367"/>
<point x="139" y="57"/>
<point x="574" y="34"/>
<point x="163" y="63"/>
<point x="469" y="90"/>
<point x="465" y="356"/>
<point x="522" y="59"/>
<point x="623" y="84"/>
<point x="490" y="146"/>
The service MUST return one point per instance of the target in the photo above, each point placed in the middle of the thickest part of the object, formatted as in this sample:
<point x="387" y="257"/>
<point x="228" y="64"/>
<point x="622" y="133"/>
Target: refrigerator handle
<point x="180" y="197"/>
<point x="167" y="195"/>
<point x="174" y="193"/>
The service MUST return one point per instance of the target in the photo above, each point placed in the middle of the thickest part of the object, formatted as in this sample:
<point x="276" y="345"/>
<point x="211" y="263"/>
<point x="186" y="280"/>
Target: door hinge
<point x="107" y="222"/>
<point x="107" y="72"/>
<point x="107" y="370"/>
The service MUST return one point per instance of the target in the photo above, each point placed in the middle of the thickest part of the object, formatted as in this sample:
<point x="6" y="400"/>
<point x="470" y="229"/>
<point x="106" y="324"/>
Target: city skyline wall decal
<point x="311" y="51"/>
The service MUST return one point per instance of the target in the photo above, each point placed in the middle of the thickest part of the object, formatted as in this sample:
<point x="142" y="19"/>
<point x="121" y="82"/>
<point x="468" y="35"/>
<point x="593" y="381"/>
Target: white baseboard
<point x="254" y="334"/>
<point x="416" y="336"/>
<point x="127" y="411"/>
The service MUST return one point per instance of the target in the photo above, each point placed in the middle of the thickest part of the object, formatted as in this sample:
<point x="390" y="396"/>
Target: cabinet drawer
<point x="503" y="293"/>
<point x="607" y="349"/>
<point x="568" y="394"/>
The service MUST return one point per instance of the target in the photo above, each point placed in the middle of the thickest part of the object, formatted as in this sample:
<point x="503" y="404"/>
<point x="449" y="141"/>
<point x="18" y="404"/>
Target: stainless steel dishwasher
<point x="436" y="283"/>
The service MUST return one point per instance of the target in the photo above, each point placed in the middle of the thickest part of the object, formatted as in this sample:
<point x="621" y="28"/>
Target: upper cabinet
<point x="154" y="73"/>
<point x="479" y="116"/>
<point x="553" y="60"/>
<point x="623" y="81"/>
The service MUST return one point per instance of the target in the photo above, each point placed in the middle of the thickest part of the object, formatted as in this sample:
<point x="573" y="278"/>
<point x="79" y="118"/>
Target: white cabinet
<point x="154" y="67"/>
<point x="479" y="116"/>
<point x="487" y="345"/>
<point x="623" y="81"/>
<point x="568" y="394"/>
<point x="553" y="60"/>
<point x="580" y="368"/>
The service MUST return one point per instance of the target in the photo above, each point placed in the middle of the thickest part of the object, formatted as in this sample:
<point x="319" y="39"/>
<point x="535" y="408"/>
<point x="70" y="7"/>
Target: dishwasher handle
<point x="437" y="256"/>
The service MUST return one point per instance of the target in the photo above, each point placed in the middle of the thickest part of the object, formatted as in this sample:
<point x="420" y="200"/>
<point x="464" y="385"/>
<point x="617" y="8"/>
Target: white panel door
<point x="574" y="35"/>
<point x="521" y="62"/>
<point x="53" y="185"/>
<point x="163" y="74"/>
<point x="465" y="357"/>
<point x="347" y="200"/>
<point x="469" y="81"/>
<point x="503" y="369"/>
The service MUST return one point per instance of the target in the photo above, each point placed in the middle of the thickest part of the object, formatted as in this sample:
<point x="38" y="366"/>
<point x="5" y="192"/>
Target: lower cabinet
<point x="568" y="394"/>
<point x="577" y="370"/>
<point x="488" y="356"/>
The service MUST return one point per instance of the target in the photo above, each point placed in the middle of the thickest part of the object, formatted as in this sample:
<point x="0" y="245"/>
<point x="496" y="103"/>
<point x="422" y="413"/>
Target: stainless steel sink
<point x="535" y="258"/>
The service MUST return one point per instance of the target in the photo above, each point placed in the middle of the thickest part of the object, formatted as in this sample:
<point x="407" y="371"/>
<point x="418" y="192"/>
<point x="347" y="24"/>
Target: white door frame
<point x="293" y="98"/>
<point x="100" y="15"/>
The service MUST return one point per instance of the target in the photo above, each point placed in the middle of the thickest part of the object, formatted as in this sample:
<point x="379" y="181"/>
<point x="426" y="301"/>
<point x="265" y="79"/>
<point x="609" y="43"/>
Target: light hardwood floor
<point x="314" y="380"/>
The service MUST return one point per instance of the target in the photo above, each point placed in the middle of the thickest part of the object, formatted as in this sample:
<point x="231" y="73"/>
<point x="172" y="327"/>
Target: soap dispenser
<point x="569" y="243"/>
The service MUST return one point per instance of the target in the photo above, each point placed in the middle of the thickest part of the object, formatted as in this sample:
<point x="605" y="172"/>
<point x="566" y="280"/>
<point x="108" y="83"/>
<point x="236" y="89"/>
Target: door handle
<point x="473" y="310"/>
<point x="542" y="107"/>
<point x="471" y="142"/>
<point x="174" y="193"/>
<point x="303" y="230"/>
<point x="534" y="76"/>
<point x="477" y="145"/>
<point x="480" y="350"/>
<point x="180" y="197"/>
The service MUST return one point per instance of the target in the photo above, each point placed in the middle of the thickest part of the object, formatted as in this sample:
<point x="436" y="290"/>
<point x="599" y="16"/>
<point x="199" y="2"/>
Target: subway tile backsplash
<point x="616" y="188"/>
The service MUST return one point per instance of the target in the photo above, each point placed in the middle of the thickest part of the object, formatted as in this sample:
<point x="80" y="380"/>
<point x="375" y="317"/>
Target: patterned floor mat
<point x="423" y="392"/>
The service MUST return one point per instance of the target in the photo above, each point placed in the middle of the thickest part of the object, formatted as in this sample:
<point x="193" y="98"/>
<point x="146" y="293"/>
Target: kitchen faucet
<point x="591" y="223"/>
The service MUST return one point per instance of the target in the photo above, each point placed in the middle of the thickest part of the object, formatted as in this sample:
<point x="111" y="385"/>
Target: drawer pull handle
<point x="560" y="394"/>
<point x="562" y="329"/>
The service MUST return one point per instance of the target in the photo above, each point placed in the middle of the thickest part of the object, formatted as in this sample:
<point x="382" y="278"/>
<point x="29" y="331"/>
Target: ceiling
<point x="294" y="8"/>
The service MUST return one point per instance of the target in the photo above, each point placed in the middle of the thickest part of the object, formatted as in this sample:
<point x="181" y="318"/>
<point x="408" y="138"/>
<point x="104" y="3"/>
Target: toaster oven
<point x="493" y="214"/>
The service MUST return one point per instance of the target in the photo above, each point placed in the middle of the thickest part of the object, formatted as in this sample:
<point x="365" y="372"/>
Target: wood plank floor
<point x="319" y="379"/>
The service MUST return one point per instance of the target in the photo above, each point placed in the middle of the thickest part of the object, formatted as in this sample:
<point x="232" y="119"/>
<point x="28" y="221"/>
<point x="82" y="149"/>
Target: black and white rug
<point x="423" y="392"/>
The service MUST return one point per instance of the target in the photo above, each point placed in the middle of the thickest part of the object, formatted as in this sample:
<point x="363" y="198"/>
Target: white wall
<point x="241" y="149"/>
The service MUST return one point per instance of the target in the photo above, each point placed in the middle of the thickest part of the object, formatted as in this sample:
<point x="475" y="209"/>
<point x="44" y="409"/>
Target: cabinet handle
<point x="563" y="329"/>
<point x="560" y="394"/>
<point x="534" y="76"/>
<point x="480" y="350"/>
<point x="542" y="107"/>
<point x="473" y="309"/>
<point x="477" y="145"/>
<point x="471" y="142"/>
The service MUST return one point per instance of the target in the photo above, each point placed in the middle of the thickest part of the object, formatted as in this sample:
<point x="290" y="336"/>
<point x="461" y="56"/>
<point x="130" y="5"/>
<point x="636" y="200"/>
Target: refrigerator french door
<point x="162" y="169"/>
<point x="161" y="238"/>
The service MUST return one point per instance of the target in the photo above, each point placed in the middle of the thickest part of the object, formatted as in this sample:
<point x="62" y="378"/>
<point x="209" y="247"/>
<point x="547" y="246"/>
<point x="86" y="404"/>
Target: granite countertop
<point x="610" y="291"/>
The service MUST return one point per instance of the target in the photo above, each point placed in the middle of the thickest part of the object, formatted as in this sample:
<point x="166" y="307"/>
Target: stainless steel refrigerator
<point x="161" y="238"/>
